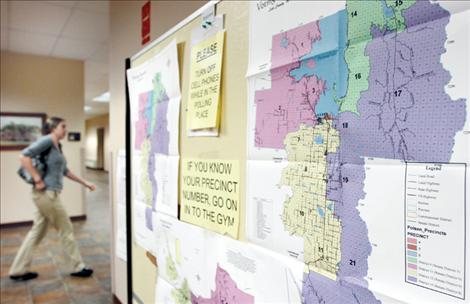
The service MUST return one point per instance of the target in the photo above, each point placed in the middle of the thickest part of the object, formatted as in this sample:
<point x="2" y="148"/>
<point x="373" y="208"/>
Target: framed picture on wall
<point x="18" y="130"/>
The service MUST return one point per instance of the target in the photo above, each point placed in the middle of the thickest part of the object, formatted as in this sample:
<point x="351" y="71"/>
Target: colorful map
<point x="366" y="81"/>
<point x="203" y="267"/>
<point x="152" y="135"/>
<point x="154" y="95"/>
<point x="226" y="291"/>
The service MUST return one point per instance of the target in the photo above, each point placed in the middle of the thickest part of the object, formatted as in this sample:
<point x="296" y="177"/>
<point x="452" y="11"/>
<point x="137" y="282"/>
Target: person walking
<point x="49" y="208"/>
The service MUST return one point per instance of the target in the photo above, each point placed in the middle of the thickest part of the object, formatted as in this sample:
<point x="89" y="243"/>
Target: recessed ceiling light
<point x="87" y="108"/>
<point x="103" y="97"/>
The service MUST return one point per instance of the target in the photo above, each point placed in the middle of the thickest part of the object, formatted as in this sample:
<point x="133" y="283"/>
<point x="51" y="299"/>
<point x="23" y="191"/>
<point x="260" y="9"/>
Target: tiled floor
<point x="54" y="284"/>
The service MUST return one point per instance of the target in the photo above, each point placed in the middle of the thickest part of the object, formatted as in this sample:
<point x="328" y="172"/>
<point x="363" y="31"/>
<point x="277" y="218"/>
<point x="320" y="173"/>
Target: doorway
<point x="100" y="148"/>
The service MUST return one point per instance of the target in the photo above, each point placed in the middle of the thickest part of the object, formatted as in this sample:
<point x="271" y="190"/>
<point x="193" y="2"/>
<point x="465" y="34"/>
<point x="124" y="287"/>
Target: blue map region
<point x="318" y="139"/>
<point x="321" y="212"/>
<point x="149" y="108"/>
<point x="388" y="11"/>
<point x="285" y="42"/>
<point x="330" y="65"/>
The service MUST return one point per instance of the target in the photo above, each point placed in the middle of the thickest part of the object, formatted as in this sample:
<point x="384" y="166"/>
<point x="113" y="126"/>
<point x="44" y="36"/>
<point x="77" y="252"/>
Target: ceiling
<point x="64" y="29"/>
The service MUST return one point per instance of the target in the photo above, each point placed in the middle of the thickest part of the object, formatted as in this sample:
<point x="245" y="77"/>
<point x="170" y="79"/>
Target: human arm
<point x="40" y="146"/>
<point x="79" y="180"/>
<point x="27" y="163"/>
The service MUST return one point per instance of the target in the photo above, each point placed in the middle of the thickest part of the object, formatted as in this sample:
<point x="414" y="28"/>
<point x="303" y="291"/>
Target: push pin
<point x="207" y="24"/>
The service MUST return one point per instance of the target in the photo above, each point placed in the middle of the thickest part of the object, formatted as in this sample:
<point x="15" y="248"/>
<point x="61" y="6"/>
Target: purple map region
<point x="289" y="103"/>
<point x="405" y="114"/>
<point x="148" y="218"/>
<point x="226" y="291"/>
<point x="160" y="137"/>
<point x="159" y="142"/>
<point x="141" y="124"/>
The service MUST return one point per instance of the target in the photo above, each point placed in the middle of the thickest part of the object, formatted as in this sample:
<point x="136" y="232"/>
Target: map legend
<point x="412" y="260"/>
<point x="435" y="219"/>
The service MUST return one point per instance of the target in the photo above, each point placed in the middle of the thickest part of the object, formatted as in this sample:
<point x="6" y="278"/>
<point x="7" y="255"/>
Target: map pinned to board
<point x="201" y="267"/>
<point x="155" y="95"/>
<point x="366" y="85"/>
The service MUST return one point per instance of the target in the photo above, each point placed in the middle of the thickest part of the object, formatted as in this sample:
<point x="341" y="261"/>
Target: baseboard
<point x="95" y="168"/>
<point x="30" y="223"/>
<point x="116" y="299"/>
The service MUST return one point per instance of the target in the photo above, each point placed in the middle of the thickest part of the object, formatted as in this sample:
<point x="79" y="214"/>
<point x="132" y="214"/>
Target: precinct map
<point x="361" y="81"/>
<point x="154" y="101"/>
<point x="202" y="267"/>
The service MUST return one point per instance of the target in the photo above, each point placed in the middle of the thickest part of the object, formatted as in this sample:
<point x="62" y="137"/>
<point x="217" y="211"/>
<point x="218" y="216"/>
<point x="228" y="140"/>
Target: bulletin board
<point x="231" y="142"/>
<point x="323" y="178"/>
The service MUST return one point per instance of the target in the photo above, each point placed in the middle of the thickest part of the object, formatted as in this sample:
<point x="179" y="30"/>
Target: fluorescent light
<point x="103" y="97"/>
<point x="87" y="108"/>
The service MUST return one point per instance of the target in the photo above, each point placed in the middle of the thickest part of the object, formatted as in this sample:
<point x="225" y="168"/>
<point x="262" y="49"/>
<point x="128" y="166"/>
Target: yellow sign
<point x="210" y="194"/>
<point x="205" y="78"/>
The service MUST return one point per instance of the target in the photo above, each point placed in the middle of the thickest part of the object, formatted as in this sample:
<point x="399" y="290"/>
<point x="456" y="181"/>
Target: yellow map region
<point x="146" y="184"/>
<point x="308" y="213"/>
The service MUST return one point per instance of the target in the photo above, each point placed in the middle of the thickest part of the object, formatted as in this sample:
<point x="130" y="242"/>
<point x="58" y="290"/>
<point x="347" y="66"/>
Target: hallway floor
<point x="54" y="284"/>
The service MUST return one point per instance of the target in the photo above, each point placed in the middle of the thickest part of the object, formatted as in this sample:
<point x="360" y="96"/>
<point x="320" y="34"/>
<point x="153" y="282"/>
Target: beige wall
<point x="41" y="84"/>
<point x="91" y="140"/>
<point x="125" y="42"/>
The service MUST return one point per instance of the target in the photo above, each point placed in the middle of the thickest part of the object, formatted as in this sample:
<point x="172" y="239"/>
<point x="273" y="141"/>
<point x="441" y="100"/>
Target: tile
<point x="99" y="298"/>
<point x="86" y="242"/>
<point x="6" y="283"/>
<point x="54" y="284"/>
<point x="41" y="259"/>
<point x="56" y="296"/>
<point x="6" y="260"/>
<point x="102" y="268"/>
<point x="17" y="294"/>
<point x="96" y="259"/>
<point x="46" y="272"/>
<point x="10" y="249"/>
<point x="94" y="288"/>
<point x="105" y="285"/>
<point x="11" y="241"/>
<point x="92" y="250"/>
<point x="40" y="287"/>
<point x="4" y="272"/>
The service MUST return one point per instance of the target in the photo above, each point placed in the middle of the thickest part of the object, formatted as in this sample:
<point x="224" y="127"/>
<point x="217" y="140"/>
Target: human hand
<point x="39" y="185"/>
<point x="90" y="186"/>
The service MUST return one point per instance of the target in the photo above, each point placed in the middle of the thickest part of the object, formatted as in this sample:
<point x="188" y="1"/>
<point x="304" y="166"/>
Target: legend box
<point x="435" y="227"/>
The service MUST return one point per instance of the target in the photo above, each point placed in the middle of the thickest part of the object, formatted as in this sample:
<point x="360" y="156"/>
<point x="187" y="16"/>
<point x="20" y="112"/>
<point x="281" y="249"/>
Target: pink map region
<point x="289" y="46"/>
<point x="288" y="104"/>
<point x="226" y="291"/>
<point x="141" y="124"/>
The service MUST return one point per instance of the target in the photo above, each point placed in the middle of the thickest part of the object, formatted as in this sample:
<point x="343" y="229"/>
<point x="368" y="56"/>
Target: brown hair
<point x="52" y="123"/>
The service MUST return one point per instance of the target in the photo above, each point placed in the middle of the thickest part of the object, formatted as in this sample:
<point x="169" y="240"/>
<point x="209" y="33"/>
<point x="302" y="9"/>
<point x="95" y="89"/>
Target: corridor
<point x="54" y="284"/>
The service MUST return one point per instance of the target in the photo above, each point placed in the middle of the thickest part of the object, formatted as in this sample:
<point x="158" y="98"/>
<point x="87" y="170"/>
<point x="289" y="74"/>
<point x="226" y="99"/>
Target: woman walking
<point x="46" y="196"/>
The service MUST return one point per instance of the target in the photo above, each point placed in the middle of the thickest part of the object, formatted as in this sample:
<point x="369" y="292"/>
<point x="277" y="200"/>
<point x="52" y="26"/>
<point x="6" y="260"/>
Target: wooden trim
<point x="30" y="223"/>
<point x="96" y="169"/>
<point x="152" y="258"/>
<point x="116" y="299"/>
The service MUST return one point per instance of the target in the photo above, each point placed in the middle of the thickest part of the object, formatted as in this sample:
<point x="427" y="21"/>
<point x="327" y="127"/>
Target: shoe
<point x="84" y="273"/>
<point x="24" y="277"/>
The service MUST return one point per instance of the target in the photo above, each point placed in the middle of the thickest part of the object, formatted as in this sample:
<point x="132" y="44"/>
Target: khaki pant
<point x="49" y="211"/>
